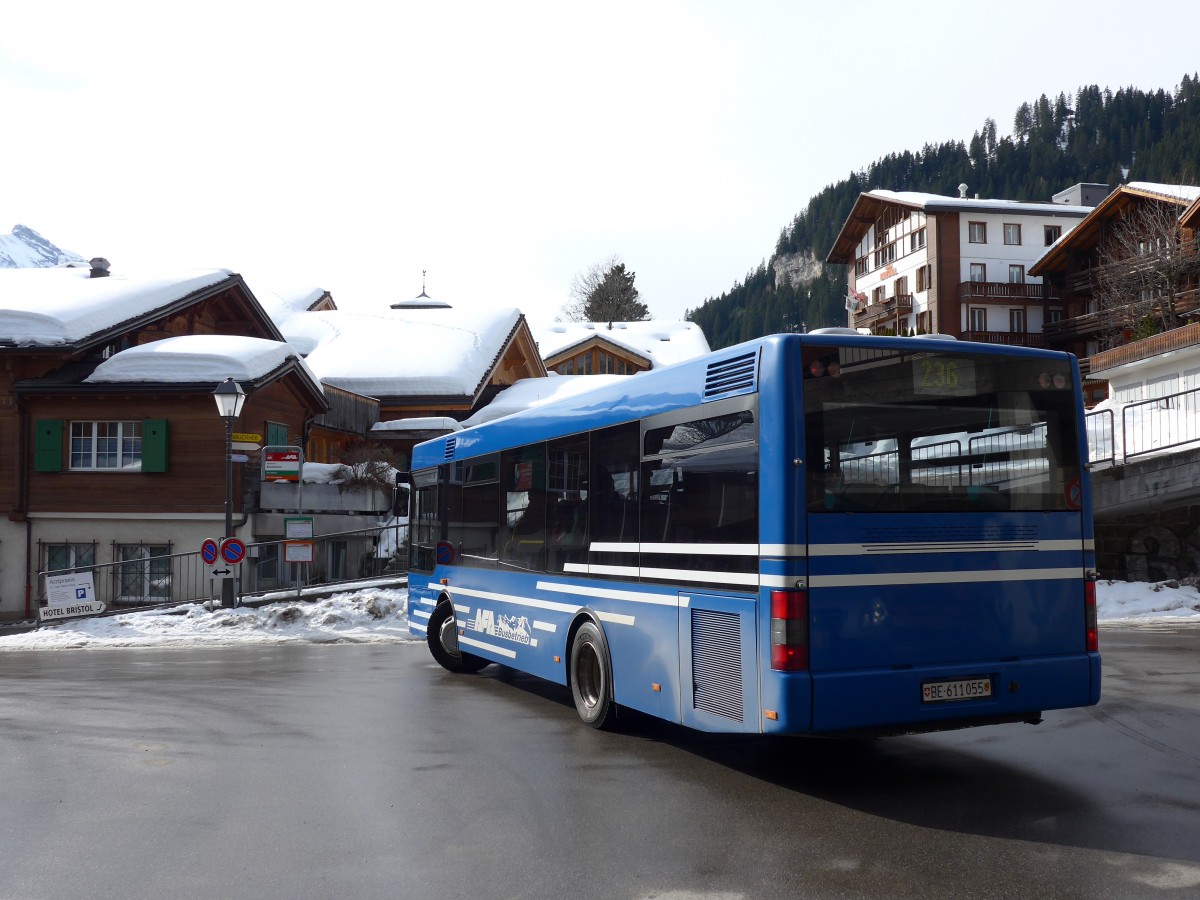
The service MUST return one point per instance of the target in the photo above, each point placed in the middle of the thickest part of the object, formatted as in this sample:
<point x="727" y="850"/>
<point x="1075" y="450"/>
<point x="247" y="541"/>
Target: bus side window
<point x="523" y="536"/>
<point x="614" y="495"/>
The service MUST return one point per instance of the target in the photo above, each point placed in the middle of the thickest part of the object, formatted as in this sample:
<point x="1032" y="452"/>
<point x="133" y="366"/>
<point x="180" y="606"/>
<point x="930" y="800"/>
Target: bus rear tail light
<point x="1092" y="635"/>
<point x="789" y="631"/>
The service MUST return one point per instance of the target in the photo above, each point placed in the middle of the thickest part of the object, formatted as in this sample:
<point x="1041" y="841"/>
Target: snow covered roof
<point x="1185" y="192"/>
<point x="198" y="358"/>
<point x="402" y="353"/>
<point x="283" y="304"/>
<point x="48" y="307"/>
<point x="663" y="343"/>
<point x="937" y="202"/>
<point x="531" y="392"/>
<point x="419" y="423"/>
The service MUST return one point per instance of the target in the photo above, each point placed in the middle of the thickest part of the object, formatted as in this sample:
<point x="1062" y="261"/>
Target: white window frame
<point x="1018" y="272"/>
<point x="1017" y="322"/>
<point x="85" y="445"/>
<point x="977" y="312"/>
<point x="981" y="269"/>
<point x="977" y="232"/>
<point x="1012" y="230"/>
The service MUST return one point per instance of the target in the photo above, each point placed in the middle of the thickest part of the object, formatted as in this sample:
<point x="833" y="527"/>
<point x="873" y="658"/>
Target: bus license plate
<point x="961" y="689"/>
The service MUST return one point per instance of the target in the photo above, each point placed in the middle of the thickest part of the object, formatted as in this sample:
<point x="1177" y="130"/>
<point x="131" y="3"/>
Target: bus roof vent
<point x="735" y="375"/>
<point x="450" y="443"/>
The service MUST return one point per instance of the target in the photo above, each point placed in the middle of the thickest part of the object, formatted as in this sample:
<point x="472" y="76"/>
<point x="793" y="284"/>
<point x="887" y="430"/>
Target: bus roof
<point x="729" y="372"/>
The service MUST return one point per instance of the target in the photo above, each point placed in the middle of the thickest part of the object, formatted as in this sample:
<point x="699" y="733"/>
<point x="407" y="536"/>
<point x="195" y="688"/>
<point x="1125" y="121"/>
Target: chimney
<point x="962" y="192"/>
<point x="99" y="267"/>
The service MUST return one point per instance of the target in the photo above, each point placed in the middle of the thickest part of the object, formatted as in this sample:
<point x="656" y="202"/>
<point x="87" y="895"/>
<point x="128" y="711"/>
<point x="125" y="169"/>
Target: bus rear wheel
<point x="443" y="643"/>
<point x="591" y="677"/>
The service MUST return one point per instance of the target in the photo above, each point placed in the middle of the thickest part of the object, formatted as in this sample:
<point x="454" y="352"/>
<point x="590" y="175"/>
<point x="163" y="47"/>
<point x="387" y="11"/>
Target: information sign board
<point x="298" y="551"/>
<point x="69" y="595"/>
<point x="281" y="464"/>
<point x="298" y="529"/>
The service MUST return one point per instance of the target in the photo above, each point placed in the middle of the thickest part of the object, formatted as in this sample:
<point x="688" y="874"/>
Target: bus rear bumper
<point x="897" y="700"/>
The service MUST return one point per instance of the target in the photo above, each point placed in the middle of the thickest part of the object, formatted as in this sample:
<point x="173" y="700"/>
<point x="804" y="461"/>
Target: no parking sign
<point x="233" y="551"/>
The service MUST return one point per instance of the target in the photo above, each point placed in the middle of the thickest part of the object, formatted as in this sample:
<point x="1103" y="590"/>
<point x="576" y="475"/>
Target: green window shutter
<point x="277" y="435"/>
<point x="154" y="445"/>
<point x="47" y="445"/>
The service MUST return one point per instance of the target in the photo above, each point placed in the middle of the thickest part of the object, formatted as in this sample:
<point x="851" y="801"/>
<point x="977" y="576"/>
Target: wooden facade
<point x="173" y="490"/>
<point x="1071" y="265"/>
<point x="597" y="356"/>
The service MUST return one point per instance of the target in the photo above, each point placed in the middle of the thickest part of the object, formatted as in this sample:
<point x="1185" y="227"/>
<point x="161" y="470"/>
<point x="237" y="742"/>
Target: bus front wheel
<point x="443" y="643"/>
<point x="591" y="677"/>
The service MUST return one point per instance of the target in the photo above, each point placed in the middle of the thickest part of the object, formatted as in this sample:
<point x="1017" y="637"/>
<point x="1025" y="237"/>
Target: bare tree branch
<point x="1144" y="272"/>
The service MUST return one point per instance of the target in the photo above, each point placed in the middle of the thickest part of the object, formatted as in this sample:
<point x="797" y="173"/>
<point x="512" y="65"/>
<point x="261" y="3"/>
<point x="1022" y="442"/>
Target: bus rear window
<point x="898" y="431"/>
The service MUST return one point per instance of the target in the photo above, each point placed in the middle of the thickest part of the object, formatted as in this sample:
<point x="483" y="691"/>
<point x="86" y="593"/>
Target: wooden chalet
<point x="107" y="471"/>
<point x="1070" y="267"/>
<point x="418" y="360"/>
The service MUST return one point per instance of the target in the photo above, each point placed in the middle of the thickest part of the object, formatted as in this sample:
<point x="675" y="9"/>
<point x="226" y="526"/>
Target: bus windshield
<point x="938" y="431"/>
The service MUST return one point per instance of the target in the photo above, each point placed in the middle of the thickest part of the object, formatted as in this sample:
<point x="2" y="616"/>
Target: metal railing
<point x="164" y="580"/>
<point x="1146" y="426"/>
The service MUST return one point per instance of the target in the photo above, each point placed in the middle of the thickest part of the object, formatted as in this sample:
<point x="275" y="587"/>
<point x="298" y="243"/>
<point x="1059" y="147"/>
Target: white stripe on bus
<point x="975" y="577"/>
<point x="587" y="590"/>
<point x="701" y="549"/>
<point x="942" y="547"/>
<point x="615" y="618"/>
<point x="746" y="579"/>
<point x="502" y="651"/>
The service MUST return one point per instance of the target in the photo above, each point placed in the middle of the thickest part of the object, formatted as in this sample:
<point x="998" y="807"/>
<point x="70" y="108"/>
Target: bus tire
<point x="591" y="677"/>
<point x="442" y="638"/>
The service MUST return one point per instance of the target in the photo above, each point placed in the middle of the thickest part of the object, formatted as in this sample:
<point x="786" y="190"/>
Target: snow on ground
<point x="377" y="615"/>
<point x="364" y="616"/>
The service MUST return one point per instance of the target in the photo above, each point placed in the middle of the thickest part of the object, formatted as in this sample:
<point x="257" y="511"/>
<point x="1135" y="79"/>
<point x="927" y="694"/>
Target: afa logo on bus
<point x="506" y="628"/>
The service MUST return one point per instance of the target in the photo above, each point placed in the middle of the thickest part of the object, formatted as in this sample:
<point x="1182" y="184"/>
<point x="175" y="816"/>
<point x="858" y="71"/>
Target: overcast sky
<point x="506" y="146"/>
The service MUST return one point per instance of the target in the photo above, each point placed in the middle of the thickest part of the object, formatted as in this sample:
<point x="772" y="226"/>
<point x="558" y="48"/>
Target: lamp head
<point x="230" y="397"/>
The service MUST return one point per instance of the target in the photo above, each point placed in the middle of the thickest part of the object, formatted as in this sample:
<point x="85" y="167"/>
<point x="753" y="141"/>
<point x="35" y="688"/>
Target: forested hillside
<point x="1096" y="136"/>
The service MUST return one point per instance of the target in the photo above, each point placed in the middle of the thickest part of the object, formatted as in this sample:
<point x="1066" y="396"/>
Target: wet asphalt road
<point x="358" y="771"/>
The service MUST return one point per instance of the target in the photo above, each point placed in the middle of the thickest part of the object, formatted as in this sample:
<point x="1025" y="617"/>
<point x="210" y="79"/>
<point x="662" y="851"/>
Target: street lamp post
<point x="230" y="397"/>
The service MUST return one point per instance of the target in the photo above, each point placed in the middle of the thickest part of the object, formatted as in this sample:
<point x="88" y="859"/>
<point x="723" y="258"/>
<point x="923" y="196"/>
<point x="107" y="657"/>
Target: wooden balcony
<point x="1004" y="292"/>
<point x="872" y="313"/>
<point x="1155" y="345"/>
<point x="1085" y="326"/>
<point x="1008" y="338"/>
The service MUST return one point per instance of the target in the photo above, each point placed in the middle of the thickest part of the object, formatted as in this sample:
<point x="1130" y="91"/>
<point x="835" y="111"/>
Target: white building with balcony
<point x="921" y="263"/>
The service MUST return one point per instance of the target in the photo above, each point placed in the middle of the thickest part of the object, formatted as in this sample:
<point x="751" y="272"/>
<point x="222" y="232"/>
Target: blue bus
<point x="821" y="533"/>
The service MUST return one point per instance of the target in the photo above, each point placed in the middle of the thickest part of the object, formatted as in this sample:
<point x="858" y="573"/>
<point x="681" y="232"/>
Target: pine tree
<point x="615" y="299"/>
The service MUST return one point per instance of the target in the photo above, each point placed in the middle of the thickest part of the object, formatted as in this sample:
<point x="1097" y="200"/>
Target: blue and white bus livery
<point x="804" y="534"/>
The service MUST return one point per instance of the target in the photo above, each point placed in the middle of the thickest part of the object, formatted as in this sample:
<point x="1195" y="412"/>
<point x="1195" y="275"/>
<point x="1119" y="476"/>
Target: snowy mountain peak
<point x="26" y="249"/>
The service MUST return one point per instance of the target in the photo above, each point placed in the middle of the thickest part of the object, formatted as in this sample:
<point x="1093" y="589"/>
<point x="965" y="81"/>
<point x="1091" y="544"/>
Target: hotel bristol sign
<point x="69" y="595"/>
